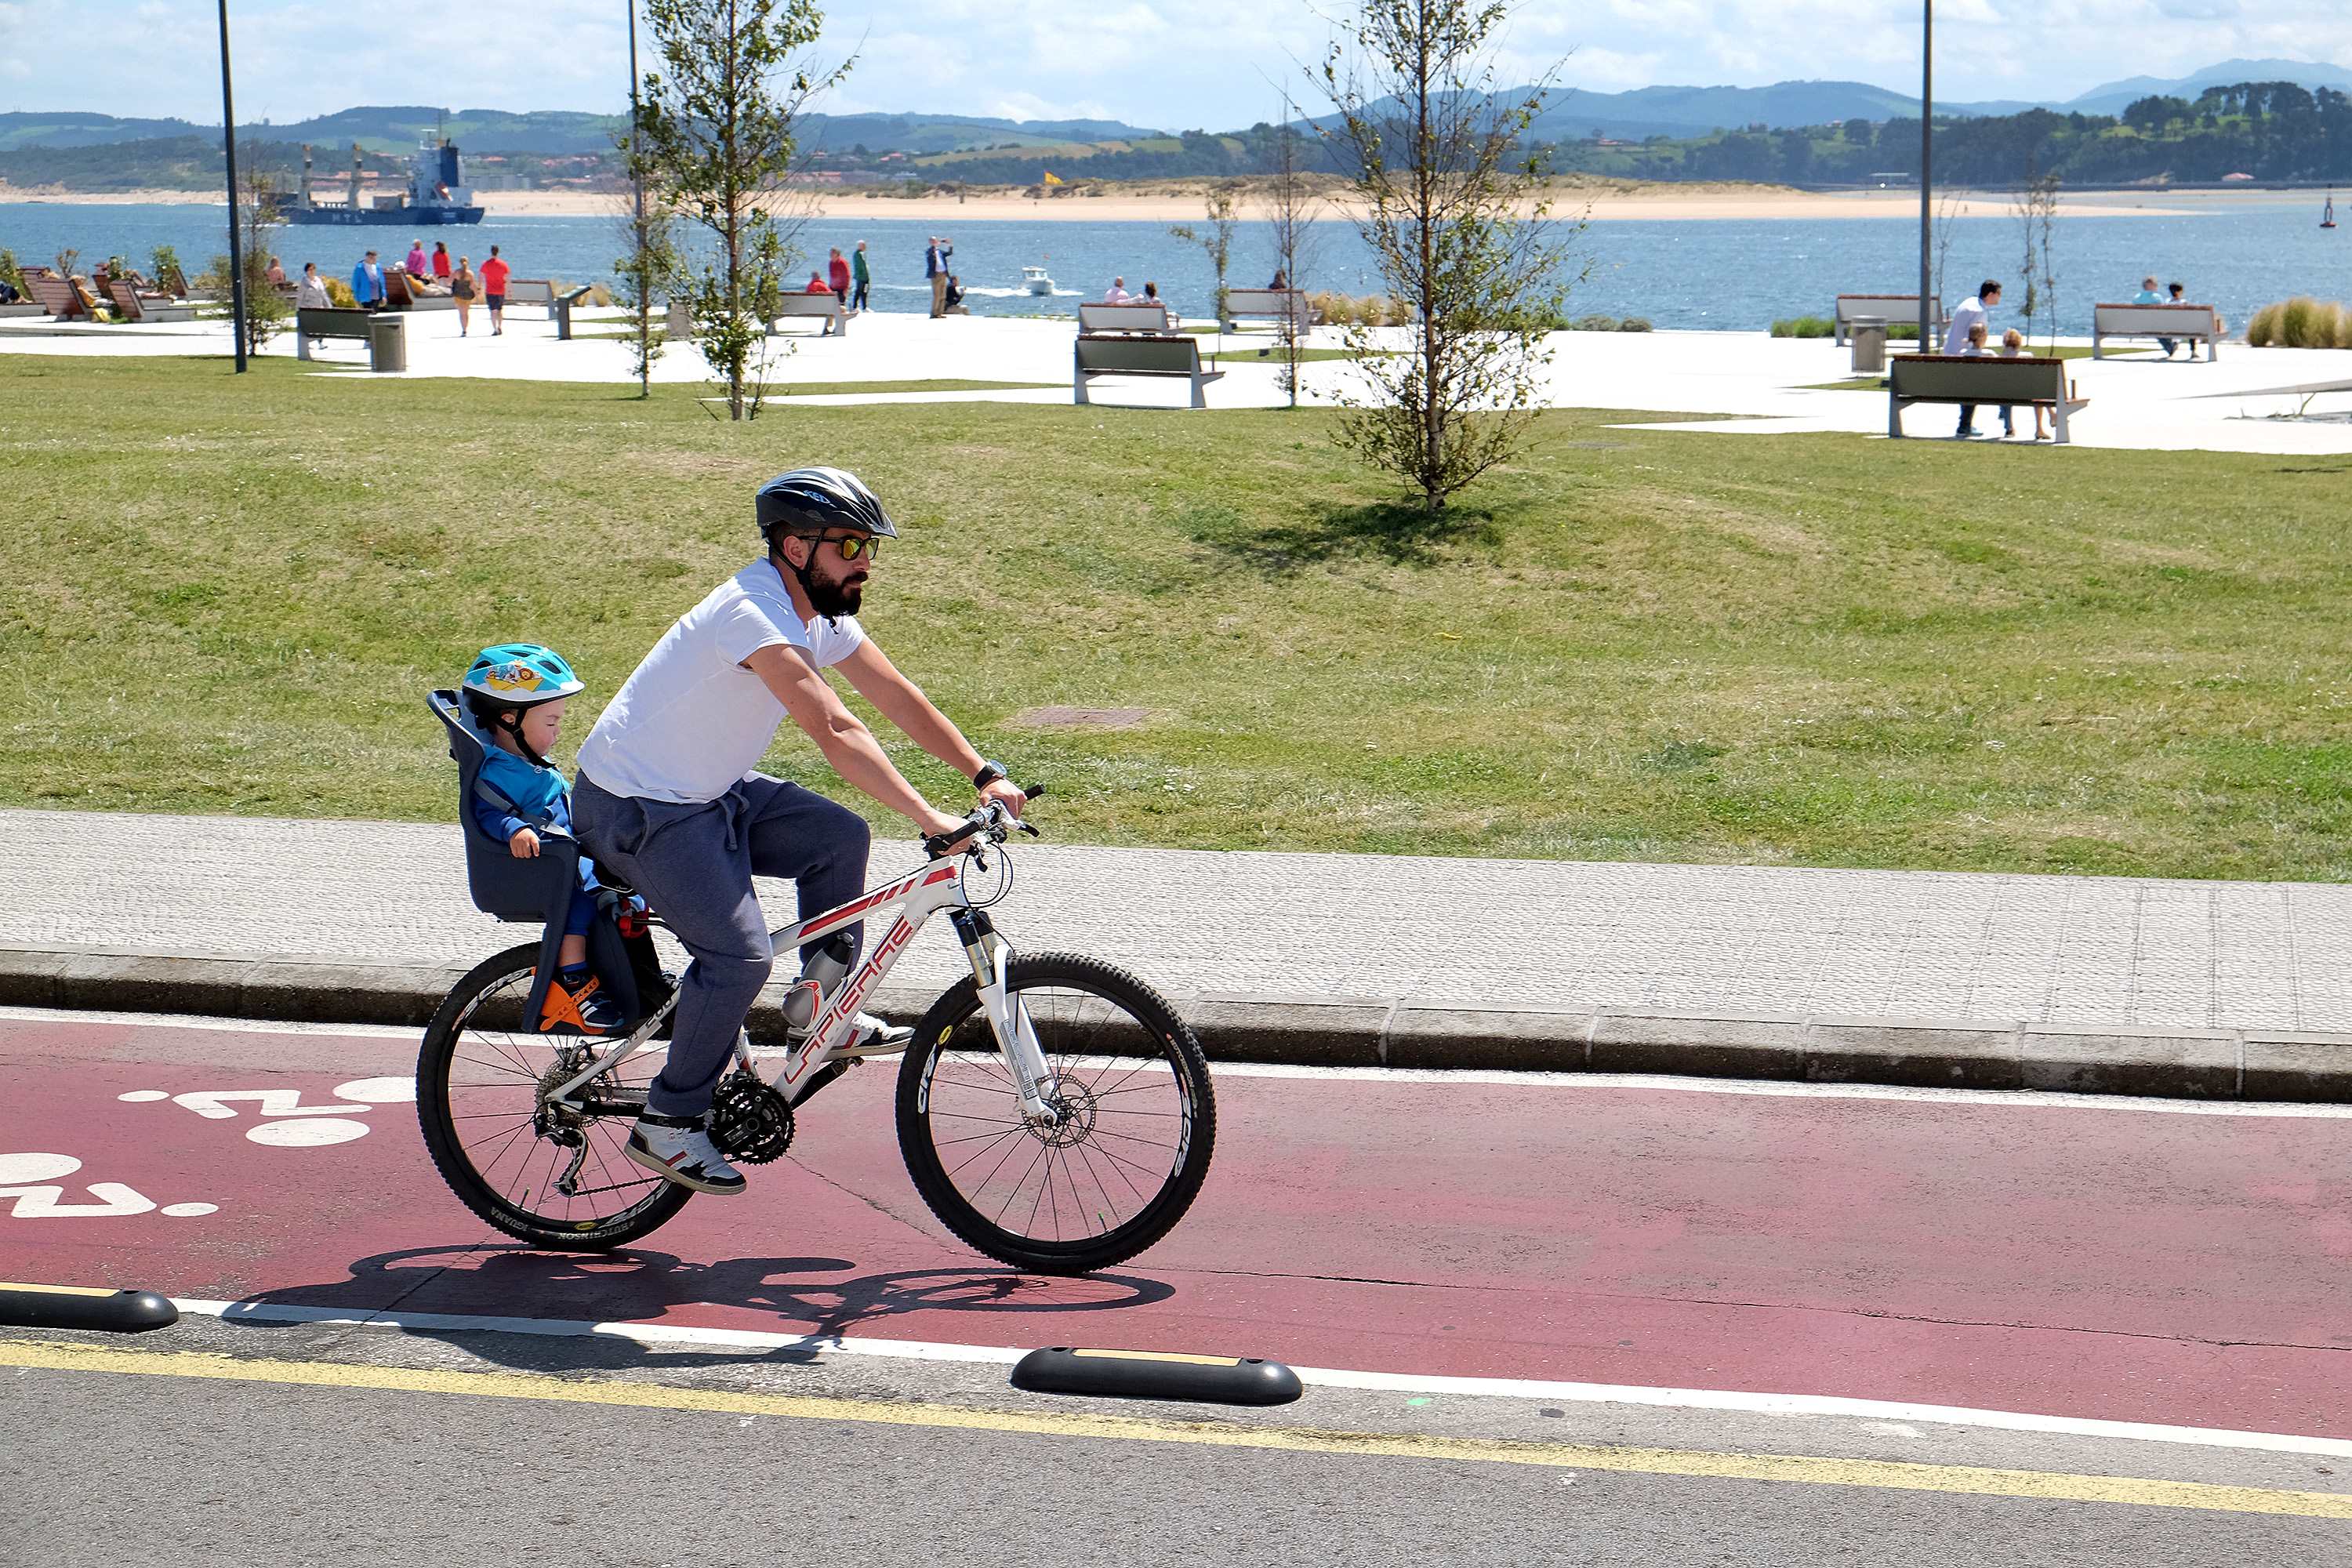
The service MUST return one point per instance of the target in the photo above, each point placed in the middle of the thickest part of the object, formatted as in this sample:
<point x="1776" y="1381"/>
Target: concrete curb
<point x="2223" y="1064"/>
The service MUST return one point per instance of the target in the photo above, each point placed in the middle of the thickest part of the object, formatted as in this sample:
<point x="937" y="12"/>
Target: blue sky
<point x="1213" y="64"/>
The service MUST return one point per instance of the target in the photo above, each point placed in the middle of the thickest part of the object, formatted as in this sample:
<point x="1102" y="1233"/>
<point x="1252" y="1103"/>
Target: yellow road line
<point x="1889" y="1475"/>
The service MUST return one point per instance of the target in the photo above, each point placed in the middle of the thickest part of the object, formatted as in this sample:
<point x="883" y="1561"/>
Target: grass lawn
<point x="230" y="596"/>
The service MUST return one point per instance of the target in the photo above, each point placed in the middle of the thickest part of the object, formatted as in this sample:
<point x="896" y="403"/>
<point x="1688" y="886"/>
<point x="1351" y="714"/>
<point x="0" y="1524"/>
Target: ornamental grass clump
<point x="2302" y="322"/>
<point x="1804" y="327"/>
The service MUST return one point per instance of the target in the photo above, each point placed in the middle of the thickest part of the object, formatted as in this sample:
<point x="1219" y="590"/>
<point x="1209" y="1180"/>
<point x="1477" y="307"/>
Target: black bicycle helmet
<point x="813" y="499"/>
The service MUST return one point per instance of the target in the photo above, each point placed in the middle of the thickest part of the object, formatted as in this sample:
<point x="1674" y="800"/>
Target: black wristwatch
<point x="988" y="774"/>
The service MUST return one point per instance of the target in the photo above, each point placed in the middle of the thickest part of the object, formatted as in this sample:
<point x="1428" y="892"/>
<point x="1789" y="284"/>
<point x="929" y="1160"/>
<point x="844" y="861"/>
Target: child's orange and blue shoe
<point x="576" y="1004"/>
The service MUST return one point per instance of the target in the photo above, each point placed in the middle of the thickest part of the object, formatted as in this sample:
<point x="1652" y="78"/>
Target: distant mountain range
<point x="1694" y="110"/>
<point x="398" y="128"/>
<point x="1574" y="114"/>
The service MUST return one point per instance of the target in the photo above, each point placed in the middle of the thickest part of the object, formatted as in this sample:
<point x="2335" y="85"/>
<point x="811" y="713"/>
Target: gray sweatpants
<point x="694" y="865"/>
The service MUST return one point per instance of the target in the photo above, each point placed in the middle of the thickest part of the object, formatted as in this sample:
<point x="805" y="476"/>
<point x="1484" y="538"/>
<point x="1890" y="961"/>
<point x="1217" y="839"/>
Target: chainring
<point x="750" y="1120"/>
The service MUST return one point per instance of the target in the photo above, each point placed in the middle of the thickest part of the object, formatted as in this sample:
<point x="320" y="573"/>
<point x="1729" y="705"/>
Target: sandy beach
<point x="1607" y="204"/>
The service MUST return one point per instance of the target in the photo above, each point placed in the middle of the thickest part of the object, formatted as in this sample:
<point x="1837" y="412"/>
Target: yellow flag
<point x="1052" y="178"/>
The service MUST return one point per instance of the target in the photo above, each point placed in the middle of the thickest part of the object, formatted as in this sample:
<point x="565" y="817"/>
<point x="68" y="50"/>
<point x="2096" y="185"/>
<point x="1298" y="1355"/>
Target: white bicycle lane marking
<point x="35" y="1181"/>
<point x="32" y="1184"/>
<point x="330" y="1126"/>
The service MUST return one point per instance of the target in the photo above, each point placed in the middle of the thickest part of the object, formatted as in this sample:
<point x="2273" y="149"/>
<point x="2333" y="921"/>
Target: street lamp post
<point x="637" y="190"/>
<point x="236" y="240"/>
<point x="1926" y="160"/>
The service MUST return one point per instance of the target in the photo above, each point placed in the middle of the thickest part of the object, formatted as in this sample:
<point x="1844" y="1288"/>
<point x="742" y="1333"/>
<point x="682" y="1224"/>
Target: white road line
<point x="2015" y="1099"/>
<point x="661" y="1335"/>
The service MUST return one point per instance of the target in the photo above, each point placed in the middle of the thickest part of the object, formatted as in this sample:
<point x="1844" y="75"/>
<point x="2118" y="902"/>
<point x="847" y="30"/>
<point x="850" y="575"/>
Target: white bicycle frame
<point x="923" y="893"/>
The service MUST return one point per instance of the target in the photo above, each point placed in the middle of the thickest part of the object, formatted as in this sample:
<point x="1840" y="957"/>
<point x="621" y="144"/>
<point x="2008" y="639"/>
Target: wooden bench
<point x="1111" y="354"/>
<point x="1127" y="317"/>
<point x="2197" y="323"/>
<point x="529" y="291"/>
<point x="55" y="295"/>
<point x="1895" y="309"/>
<point x="824" y="308"/>
<point x="403" y="292"/>
<point x="138" y="307"/>
<point x="1992" y="379"/>
<point x="1275" y="305"/>
<point x="332" y="323"/>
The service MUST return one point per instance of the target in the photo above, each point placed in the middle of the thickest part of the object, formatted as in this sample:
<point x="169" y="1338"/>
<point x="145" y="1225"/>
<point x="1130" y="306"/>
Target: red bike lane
<point x="2105" y="1262"/>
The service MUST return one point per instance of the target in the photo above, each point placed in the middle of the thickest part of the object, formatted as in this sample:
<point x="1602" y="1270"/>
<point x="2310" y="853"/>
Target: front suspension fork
<point x="991" y="957"/>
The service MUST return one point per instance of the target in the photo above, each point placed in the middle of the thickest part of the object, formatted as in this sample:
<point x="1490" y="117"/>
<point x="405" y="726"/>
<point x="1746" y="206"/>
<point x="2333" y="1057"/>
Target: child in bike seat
<point x="515" y="692"/>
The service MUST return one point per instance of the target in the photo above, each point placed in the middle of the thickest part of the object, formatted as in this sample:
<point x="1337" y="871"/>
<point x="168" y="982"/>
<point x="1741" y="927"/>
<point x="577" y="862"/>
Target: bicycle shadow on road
<point x="818" y="1298"/>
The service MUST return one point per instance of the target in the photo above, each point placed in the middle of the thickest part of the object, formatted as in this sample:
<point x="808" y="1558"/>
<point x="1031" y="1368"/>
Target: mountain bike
<point x="1052" y="1109"/>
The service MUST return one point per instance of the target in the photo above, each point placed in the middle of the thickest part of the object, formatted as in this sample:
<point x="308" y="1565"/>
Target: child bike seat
<point x="501" y="885"/>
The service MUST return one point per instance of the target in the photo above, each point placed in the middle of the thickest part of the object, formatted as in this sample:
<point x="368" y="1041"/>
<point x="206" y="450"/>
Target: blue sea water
<point x="1731" y="273"/>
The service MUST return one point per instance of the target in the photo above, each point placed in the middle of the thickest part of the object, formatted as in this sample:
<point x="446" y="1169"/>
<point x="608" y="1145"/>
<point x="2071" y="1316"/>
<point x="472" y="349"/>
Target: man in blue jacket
<point x="367" y="284"/>
<point x="935" y="268"/>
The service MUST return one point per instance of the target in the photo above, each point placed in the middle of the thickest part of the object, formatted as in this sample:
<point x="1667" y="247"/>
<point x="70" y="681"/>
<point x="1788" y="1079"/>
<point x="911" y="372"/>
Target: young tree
<point x="2035" y="203"/>
<point x="1947" y="213"/>
<point x="645" y="274"/>
<point x="1459" y="233"/>
<point x="258" y="223"/>
<point x="1290" y="214"/>
<point x="717" y="131"/>
<point x="1217" y="239"/>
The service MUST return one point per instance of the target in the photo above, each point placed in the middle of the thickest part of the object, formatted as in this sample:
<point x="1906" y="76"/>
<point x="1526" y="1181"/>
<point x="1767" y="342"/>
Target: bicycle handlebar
<point x="992" y="819"/>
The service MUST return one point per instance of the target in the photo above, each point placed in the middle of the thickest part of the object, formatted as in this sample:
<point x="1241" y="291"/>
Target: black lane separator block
<point x="1156" y="1374"/>
<point x="83" y="1306"/>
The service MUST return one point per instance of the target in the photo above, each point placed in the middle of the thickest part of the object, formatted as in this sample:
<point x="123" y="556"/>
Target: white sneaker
<point x="873" y="1037"/>
<point x="679" y="1149"/>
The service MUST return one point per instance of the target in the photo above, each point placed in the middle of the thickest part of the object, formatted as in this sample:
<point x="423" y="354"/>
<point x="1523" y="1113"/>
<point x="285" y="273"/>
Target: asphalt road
<point x="1562" y="1321"/>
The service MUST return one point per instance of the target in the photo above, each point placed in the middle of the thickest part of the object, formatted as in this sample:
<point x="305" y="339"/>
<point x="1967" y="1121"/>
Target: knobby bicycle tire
<point x="437" y="1121"/>
<point x="1158" y="1035"/>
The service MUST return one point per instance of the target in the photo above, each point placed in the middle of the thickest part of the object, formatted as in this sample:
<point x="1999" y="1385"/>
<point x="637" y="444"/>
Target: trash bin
<point x="1869" y="334"/>
<point x="676" y="324"/>
<point x="387" y="341"/>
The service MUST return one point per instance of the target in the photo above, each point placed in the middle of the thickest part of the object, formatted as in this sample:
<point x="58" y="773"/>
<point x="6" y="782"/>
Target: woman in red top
<point x="440" y="261"/>
<point x="839" y="269"/>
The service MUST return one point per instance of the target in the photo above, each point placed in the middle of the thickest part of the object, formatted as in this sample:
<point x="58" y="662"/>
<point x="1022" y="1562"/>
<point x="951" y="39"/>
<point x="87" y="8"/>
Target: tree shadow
<point x="1401" y="533"/>
<point x="470" y="1288"/>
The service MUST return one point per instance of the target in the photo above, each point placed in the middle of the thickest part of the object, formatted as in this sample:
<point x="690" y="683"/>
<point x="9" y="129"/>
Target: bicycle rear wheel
<point x="1136" y="1119"/>
<point x="478" y="1078"/>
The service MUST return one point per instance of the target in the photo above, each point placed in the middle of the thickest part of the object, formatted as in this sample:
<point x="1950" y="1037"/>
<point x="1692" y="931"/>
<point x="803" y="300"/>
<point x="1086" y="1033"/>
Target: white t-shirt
<point x="691" y="720"/>
<point x="1964" y="315"/>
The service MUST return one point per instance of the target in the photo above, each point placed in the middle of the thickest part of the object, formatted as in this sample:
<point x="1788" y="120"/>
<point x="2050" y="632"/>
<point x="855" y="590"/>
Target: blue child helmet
<point x="519" y="675"/>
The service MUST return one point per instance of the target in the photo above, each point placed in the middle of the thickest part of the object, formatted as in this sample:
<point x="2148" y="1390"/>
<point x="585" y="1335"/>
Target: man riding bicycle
<point x="670" y="798"/>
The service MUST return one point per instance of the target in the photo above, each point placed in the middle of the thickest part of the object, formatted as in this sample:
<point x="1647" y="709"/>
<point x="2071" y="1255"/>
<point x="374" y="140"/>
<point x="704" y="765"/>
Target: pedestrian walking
<point x="837" y="272"/>
<point x="367" y="283"/>
<point x="310" y="294"/>
<point x="441" y="261"/>
<point x="463" y="287"/>
<point x="862" y="279"/>
<point x="935" y="268"/>
<point x="494" y="292"/>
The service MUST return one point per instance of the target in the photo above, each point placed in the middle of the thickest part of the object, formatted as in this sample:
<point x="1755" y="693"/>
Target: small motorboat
<point x="2328" y="212"/>
<point x="1035" y="281"/>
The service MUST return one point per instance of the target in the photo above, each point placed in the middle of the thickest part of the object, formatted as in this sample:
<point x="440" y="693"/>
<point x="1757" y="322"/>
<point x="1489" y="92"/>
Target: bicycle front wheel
<point x="1134" y="1118"/>
<point x="480" y="1077"/>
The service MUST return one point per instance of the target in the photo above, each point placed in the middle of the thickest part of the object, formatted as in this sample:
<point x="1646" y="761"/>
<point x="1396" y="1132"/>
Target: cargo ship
<point x="437" y="193"/>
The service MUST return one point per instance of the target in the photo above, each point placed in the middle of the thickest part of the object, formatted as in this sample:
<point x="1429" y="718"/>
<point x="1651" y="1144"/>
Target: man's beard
<point x="831" y="599"/>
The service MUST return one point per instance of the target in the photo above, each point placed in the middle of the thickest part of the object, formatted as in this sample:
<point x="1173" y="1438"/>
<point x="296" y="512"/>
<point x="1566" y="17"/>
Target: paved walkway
<point x="2093" y="955"/>
<point x="1751" y="384"/>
